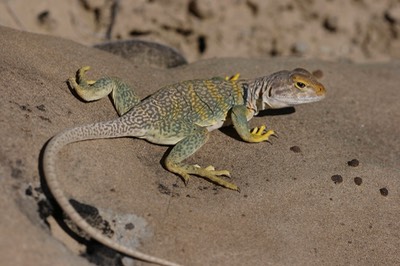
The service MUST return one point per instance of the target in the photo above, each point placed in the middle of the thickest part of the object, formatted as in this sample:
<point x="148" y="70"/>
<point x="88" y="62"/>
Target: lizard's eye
<point x="299" y="85"/>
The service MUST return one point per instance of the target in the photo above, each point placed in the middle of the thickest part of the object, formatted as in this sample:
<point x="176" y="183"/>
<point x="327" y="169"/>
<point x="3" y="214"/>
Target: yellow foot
<point x="214" y="176"/>
<point x="211" y="168"/>
<point x="259" y="134"/>
<point x="233" y="78"/>
<point x="84" y="69"/>
<point x="81" y="77"/>
<point x="208" y="173"/>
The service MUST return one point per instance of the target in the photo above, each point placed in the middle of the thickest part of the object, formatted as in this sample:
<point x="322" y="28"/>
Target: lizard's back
<point x="170" y="114"/>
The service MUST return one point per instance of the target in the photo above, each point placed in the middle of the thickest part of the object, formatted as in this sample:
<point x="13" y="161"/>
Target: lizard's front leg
<point x="239" y="120"/>
<point x="123" y="96"/>
<point x="186" y="147"/>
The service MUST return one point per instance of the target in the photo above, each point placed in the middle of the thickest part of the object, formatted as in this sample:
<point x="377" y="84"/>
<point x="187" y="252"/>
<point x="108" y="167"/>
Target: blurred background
<point x="345" y="30"/>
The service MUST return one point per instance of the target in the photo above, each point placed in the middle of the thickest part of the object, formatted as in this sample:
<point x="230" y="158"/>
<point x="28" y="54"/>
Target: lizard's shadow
<point x="231" y="132"/>
<point x="95" y="252"/>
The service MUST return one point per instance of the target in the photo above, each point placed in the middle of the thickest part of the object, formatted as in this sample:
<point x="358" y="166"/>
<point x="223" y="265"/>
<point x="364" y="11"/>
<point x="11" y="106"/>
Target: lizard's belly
<point x="219" y="119"/>
<point x="171" y="130"/>
<point x="219" y="124"/>
<point x="215" y="126"/>
<point x="163" y="140"/>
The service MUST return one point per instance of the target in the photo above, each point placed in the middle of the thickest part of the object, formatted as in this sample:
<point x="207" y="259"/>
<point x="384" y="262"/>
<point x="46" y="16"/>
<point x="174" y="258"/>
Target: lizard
<point x="182" y="115"/>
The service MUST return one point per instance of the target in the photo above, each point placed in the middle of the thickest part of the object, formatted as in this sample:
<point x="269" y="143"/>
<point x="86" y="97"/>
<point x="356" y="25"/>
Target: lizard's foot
<point x="233" y="78"/>
<point x="213" y="175"/>
<point x="239" y="116"/>
<point x="212" y="168"/>
<point x="208" y="173"/>
<point x="258" y="134"/>
<point x="81" y="77"/>
<point x="185" y="148"/>
<point x="90" y="90"/>
<point x="123" y="96"/>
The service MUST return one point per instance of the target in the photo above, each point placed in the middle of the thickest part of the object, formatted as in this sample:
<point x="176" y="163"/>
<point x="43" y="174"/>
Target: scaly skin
<point x="182" y="115"/>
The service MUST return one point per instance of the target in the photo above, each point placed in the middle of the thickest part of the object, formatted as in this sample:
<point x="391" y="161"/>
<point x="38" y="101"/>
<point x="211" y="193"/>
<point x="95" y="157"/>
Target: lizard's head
<point x="288" y="88"/>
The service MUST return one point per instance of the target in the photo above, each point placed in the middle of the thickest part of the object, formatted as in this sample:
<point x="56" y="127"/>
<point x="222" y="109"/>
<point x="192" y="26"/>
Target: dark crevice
<point x="136" y="33"/>
<point x="201" y="44"/>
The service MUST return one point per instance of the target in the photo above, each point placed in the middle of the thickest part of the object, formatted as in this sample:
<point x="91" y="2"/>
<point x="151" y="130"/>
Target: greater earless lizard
<point x="182" y="115"/>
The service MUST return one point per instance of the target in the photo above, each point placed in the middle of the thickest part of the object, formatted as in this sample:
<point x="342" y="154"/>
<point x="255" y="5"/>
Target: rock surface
<point x="290" y="212"/>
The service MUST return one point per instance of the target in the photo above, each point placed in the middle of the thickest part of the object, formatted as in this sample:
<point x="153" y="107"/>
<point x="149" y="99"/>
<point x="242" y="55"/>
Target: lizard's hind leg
<point x="186" y="147"/>
<point x="123" y="96"/>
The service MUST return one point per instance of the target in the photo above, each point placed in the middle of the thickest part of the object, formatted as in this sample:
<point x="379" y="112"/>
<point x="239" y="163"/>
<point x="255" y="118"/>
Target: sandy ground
<point x="364" y="30"/>
<point x="290" y="210"/>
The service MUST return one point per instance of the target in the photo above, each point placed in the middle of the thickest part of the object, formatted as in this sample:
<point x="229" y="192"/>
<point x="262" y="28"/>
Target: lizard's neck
<point x="253" y="94"/>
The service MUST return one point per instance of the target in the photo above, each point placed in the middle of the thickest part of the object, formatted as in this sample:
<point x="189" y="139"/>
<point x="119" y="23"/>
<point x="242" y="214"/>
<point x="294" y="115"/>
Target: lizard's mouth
<point x="300" y="100"/>
<point x="281" y="102"/>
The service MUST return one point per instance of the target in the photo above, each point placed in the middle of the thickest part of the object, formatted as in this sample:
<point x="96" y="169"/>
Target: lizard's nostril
<point x="320" y="90"/>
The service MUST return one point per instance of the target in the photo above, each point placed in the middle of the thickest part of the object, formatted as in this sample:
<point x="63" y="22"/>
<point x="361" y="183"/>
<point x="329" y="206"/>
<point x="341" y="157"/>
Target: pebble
<point x="295" y="149"/>
<point x="358" y="180"/>
<point x="337" y="179"/>
<point x="353" y="163"/>
<point x="384" y="191"/>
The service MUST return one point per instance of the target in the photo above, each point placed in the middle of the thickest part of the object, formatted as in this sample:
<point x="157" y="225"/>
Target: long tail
<point x="111" y="129"/>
